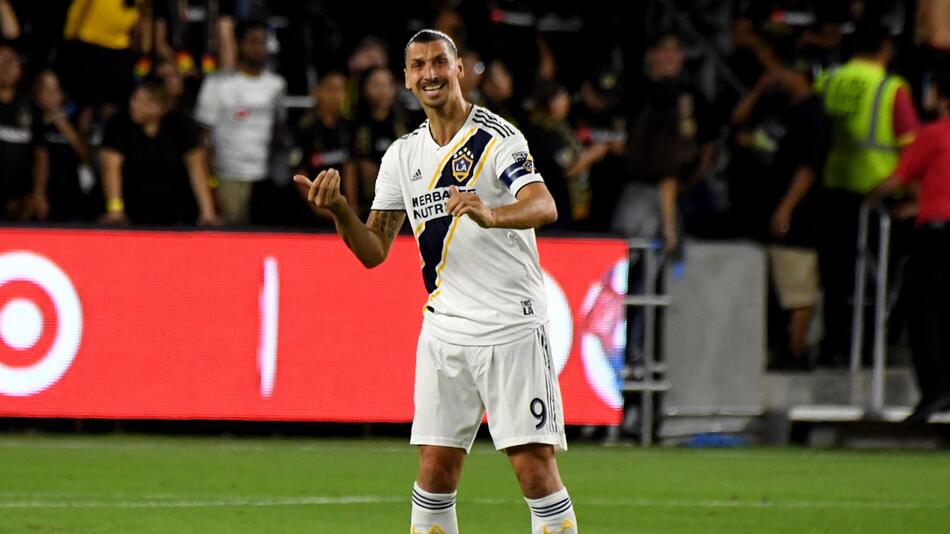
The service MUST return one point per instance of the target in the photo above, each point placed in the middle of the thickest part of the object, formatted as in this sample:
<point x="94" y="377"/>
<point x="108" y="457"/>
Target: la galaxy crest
<point x="462" y="164"/>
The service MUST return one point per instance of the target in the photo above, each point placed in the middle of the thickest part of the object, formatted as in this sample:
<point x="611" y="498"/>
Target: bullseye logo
<point x="40" y="323"/>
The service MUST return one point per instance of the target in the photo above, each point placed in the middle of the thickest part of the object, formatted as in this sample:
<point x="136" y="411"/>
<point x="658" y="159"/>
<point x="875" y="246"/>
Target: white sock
<point x="433" y="513"/>
<point x="553" y="514"/>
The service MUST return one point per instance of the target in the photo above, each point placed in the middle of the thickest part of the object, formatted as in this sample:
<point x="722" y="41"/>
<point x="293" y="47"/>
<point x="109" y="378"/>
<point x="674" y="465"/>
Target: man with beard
<point x="243" y="111"/>
<point x="467" y="181"/>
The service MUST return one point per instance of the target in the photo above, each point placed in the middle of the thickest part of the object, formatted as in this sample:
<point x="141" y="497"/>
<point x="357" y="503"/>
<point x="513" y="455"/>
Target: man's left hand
<point x="470" y="204"/>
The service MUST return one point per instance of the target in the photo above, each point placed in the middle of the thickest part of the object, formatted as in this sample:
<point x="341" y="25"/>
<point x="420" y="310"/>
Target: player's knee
<point x="438" y="473"/>
<point x="437" y="478"/>
<point x="538" y="480"/>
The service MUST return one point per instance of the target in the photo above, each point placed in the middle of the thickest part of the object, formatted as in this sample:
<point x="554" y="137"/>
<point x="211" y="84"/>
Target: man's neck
<point x="7" y="94"/>
<point x="446" y="121"/>
<point x="249" y="70"/>
<point x="868" y="58"/>
<point x="151" y="127"/>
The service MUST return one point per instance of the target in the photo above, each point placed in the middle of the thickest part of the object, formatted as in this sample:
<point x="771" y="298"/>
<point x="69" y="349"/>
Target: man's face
<point x="665" y="60"/>
<point x="252" y="48"/>
<point x="10" y="69"/>
<point x="331" y="92"/>
<point x="432" y="72"/>
<point x="144" y="106"/>
<point x="381" y="89"/>
<point x="48" y="95"/>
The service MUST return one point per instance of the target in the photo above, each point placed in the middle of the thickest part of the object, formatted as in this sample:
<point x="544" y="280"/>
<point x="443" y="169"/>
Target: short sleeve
<point x="388" y="189"/>
<point x="916" y="157"/>
<point x="206" y="110"/>
<point x="905" y="120"/>
<point x="280" y="110"/>
<point x="514" y="164"/>
<point x="189" y="136"/>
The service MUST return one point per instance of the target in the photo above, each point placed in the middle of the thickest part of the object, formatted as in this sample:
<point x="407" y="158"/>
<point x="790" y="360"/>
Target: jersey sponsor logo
<point x="416" y="176"/>
<point x="431" y="204"/>
<point x="462" y="164"/>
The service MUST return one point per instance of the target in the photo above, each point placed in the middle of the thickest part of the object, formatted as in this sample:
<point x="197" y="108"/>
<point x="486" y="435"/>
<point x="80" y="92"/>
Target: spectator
<point x="665" y="79"/>
<point x="791" y="198"/>
<point x="69" y="153"/>
<point x="379" y="122"/>
<point x="244" y="112"/>
<point x="323" y="139"/>
<point x="926" y="164"/>
<point x="96" y="60"/>
<point x="872" y="117"/>
<point x="154" y="165"/>
<point x="22" y="150"/>
<point x="560" y="156"/>
<point x="670" y="146"/>
<point x="598" y="119"/>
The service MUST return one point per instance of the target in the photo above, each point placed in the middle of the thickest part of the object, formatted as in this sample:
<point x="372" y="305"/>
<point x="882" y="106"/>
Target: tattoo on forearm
<point x="386" y="222"/>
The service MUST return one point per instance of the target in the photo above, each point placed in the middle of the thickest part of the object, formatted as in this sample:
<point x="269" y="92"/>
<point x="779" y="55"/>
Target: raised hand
<point x="324" y="191"/>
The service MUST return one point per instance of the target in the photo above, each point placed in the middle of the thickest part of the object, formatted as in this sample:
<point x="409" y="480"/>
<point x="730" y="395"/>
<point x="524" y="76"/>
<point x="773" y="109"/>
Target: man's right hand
<point x="324" y="191"/>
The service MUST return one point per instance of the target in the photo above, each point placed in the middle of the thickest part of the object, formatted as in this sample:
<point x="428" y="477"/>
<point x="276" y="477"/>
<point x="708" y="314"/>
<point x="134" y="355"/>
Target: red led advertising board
<point x="261" y="326"/>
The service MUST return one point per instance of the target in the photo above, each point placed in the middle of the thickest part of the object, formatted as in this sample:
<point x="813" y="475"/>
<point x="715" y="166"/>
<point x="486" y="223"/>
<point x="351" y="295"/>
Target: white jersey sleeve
<point x="388" y="188"/>
<point x="514" y="164"/>
<point x="207" y="107"/>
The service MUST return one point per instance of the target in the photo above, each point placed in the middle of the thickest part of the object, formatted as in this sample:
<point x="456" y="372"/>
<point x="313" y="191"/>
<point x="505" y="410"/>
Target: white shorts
<point x="515" y="382"/>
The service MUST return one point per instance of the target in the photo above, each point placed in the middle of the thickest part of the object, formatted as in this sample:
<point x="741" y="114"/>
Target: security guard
<point x="872" y="117"/>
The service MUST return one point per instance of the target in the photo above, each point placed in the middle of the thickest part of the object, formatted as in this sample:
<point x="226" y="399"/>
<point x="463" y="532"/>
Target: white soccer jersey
<point x="241" y="110"/>
<point x="485" y="285"/>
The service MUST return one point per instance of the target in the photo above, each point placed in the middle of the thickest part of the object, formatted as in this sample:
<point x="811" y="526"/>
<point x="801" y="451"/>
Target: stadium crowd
<point x="163" y="112"/>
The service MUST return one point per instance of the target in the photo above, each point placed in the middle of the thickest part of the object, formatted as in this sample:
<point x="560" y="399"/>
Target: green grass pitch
<point x="148" y="484"/>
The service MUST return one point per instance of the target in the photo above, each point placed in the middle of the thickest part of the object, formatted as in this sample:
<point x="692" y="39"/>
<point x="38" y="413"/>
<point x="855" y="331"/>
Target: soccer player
<point x="467" y="181"/>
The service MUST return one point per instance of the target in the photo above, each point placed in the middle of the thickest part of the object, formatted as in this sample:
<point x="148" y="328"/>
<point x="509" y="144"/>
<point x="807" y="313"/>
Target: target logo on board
<point x="40" y="323"/>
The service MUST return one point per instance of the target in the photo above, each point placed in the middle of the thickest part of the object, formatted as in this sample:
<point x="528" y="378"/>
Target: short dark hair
<point x="325" y="77"/>
<point x="428" y="36"/>
<point x="246" y="25"/>
<point x="870" y="39"/>
<point x="155" y="86"/>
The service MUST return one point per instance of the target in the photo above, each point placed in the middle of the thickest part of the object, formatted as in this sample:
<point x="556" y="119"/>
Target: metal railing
<point x="649" y="380"/>
<point x="867" y="262"/>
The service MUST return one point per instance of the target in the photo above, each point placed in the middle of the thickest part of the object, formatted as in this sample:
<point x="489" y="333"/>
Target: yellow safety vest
<point x="859" y="101"/>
